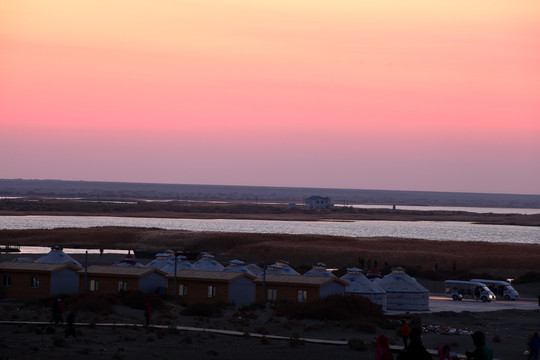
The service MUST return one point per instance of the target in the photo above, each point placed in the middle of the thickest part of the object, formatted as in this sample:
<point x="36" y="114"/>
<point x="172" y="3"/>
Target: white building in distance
<point x="318" y="202"/>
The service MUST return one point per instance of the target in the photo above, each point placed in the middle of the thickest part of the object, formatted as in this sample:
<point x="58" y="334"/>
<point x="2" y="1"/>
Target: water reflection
<point x="431" y="230"/>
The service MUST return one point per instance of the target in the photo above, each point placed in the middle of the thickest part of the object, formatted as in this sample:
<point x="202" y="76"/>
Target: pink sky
<point x="400" y="95"/>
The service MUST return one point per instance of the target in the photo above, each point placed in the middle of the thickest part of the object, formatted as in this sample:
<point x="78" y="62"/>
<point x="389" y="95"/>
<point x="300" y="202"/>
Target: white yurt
<point x="256" y="270"/>
<point x="207" y="263"/>
<point x="128" y="261"/>
<point x="319" y="269"/>
<point x="282" y="267"/>
<point x="276" y="269"/>
<point x="360" y="285"/>
<point x="58" y="256"/>
<point x="237" y="266"/>
<point x="161" y="261"/>
<point x="181" y="264"/>
<point x="404" y="292"/>
<point x="170" y="253"/>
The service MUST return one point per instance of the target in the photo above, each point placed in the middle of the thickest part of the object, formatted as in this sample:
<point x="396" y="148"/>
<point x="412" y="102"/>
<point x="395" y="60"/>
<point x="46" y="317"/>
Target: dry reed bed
<point x="298" y="249"/>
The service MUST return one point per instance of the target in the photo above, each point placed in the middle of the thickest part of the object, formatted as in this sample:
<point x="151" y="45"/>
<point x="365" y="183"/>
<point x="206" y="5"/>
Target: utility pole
<point x="263" y="297"/>
<point x="86" y="271"/>
<point x="175" y="267"/>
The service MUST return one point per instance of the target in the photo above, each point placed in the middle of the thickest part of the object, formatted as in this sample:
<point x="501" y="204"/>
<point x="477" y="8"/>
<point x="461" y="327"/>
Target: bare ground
<point x="507" y="332"/>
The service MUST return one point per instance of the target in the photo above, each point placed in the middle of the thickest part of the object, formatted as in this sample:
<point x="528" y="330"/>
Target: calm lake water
<point x="431" y="230"/>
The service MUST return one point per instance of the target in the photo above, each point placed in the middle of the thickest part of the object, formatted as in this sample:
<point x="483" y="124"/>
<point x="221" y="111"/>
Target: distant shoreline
<point x="101" y="190"/>
<point x="331" y="215"/>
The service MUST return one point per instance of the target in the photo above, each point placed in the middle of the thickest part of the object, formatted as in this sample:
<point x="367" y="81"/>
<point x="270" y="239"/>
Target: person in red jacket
<point x="147" y="312"/>
<point x="405" y="333"/>
<point x="383" y="350"/>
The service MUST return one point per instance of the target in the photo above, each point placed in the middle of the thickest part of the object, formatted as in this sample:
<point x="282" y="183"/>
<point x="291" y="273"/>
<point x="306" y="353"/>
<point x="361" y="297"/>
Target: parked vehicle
<point x="501" y="289"/>
<point x="458" y="290"/>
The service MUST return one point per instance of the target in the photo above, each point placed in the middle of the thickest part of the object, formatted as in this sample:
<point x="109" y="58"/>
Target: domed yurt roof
<point x="404" y="293"/>
<point x="162" y="260"/>
<point x="282" y="267"/>
<point x="256" y="270"/>
<point x="58" y="256"/>
<point x="170" y="253"/>
<point x="237" y="266"/>
<point x="319" y="269"/>
<point x="360" y="284"/>
<point x="207" y="263"/>
<point x="399" y="281"/>
<point x="128" y="261"/>
<point x="181" y="264"/>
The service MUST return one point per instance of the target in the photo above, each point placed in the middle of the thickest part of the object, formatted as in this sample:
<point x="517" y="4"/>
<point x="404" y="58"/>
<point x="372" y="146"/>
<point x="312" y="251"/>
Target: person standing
<point x="361" y="263"/>
<point x="444" y="352"/>
<point x="70" y="327"/>
<point x="534" y="345"/>
<point x="58" y="307"/>
<point x="482" y="351"/>
<point x="383" y="349"/>
<point x="415" y="350"/>
<point x="405" y="334"/>
<point x="147" y="312"/>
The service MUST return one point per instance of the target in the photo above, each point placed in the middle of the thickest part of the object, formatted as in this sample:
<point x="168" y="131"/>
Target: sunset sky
<point x="397" y="95"/>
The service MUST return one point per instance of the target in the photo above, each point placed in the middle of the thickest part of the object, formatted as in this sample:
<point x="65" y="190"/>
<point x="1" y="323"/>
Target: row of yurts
<point x="395" y="291"/>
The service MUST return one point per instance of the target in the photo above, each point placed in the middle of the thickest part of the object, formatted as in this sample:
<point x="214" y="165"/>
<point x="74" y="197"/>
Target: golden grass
<point x="297" y="249"/>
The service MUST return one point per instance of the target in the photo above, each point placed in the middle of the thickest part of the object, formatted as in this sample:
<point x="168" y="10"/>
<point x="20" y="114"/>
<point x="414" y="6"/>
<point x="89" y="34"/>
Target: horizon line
<point x="274" y="186"/>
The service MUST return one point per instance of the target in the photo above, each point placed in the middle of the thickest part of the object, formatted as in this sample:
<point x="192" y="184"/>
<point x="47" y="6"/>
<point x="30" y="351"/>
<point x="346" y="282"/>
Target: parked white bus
<point x="458" y="290"/>
<point x="501" y="289"/>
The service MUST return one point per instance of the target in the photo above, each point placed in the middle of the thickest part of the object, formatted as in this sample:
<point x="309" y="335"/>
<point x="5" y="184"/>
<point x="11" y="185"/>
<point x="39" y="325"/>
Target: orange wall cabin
<point x="298" y="288"/>
<point x="195" y="286"/>
<point x="27" y="281"/>
<point x="114" y="279"/>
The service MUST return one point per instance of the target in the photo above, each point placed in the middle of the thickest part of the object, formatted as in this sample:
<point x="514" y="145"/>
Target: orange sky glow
<point x="415" y="95"/>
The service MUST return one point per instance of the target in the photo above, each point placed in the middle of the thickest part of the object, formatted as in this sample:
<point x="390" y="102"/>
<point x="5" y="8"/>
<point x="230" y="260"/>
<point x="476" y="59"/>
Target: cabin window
<point x="7" y="280"/>
<point x="94" y="285"/>
<point x="182" y="290"/>
<point x="302" y="295"/>
<point x="272" y="294"/>
<point x="34" y="282"/>
<point x="211" y="291"/>
<point x="122" y="285"/>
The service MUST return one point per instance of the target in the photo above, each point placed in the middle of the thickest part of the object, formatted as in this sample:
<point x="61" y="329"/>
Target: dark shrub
<point x="364" y="326"/>
<point x="93" y="303"/>
<point x="59" y="341"/>
<point x="136" y="300"/>
<point x="335" y="307"/>
<point x="262" y="330"/>
<point x="357" y="344"/>
<point x="295" y="341"/>
<point x="186" y="339"/>
<point x="201" y="309"/>
<point x="257" y="305"/>
<point x="280" y="304"/>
